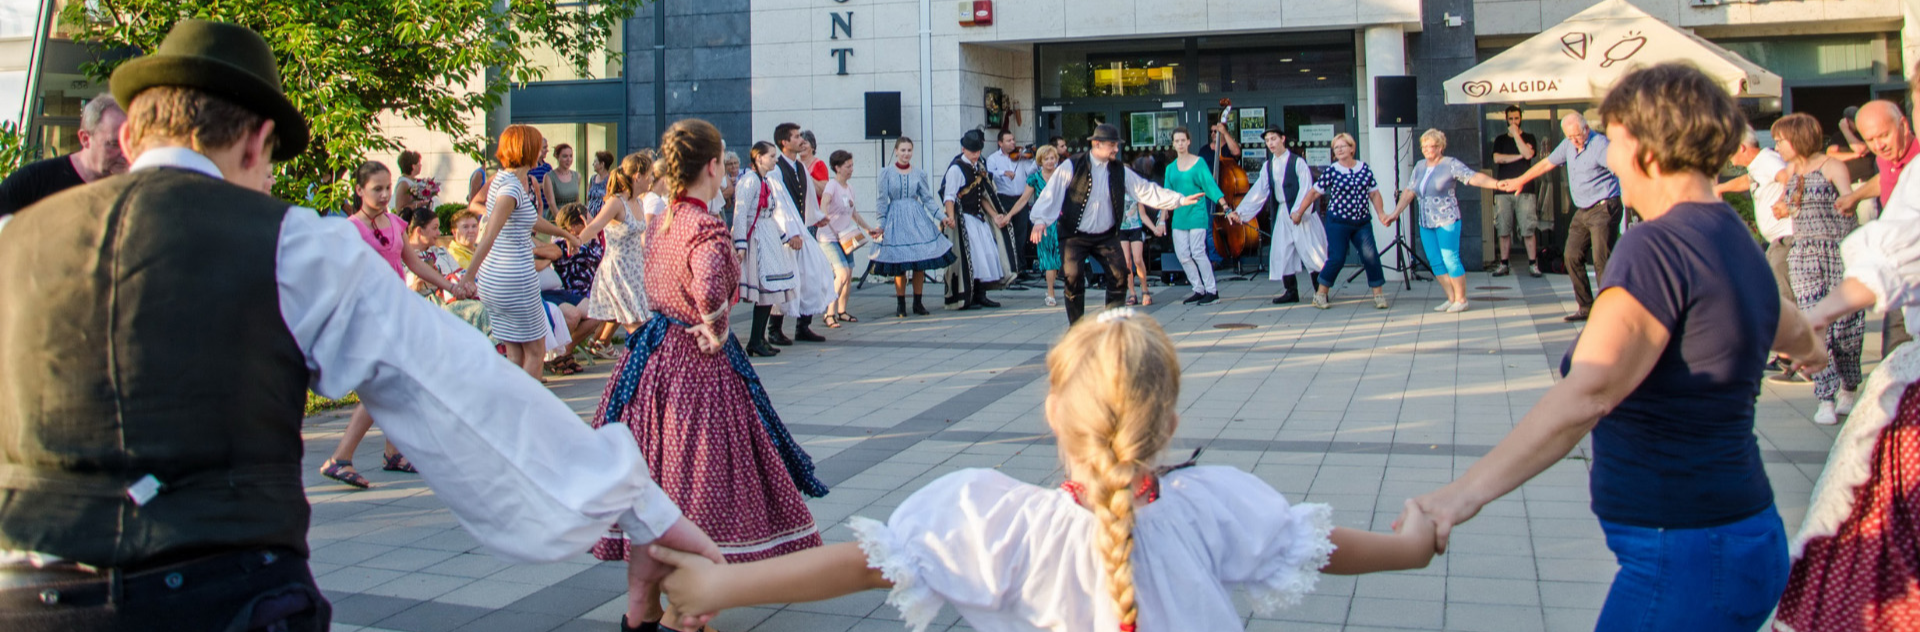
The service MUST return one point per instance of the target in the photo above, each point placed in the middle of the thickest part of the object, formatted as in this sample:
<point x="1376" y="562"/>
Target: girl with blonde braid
<point x="1124" y="544"/>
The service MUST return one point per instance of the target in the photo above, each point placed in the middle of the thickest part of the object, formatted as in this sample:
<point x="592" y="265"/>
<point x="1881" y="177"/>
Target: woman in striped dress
<point x="503" y="261"/>
<point x="1813" y="182"/>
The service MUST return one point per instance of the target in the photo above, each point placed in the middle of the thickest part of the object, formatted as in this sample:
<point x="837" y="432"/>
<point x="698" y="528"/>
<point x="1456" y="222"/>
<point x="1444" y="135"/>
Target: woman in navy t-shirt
<point x="1665" y="377"/>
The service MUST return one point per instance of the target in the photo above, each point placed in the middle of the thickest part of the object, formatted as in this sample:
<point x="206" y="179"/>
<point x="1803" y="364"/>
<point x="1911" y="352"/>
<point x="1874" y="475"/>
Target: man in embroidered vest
<point x="813" y="280"/>
<point x="1084" y="194"/>
<point x="162" y="329"/>
<point x="974" y="215"/>
<point x="1281" y="181"/>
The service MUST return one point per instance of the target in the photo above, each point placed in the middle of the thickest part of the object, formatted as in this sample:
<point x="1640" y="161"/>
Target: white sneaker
<point x="1846" y="401"/>
<point x="1826" y="415"/>
<point x="1457" y="307"/>
<point x="1444" y="306"/>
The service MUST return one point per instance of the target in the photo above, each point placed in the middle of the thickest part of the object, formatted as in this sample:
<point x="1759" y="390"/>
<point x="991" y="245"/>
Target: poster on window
<point x="1319" y="156"/>
<point x="1316" y="133"/>
<point x="1252" y="120"/>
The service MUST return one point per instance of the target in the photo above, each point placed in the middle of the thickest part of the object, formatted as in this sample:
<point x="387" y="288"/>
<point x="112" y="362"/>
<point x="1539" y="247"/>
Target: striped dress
<point x="508" y="286"/>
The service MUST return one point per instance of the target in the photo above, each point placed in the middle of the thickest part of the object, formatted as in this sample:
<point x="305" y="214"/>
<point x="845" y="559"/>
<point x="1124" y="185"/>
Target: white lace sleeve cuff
<point x="1310" y="547"/>
<point x="887" y="552"/>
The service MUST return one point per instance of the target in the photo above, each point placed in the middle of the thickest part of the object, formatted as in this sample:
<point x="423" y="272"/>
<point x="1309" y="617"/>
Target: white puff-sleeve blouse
<point x="1009" y="556"/>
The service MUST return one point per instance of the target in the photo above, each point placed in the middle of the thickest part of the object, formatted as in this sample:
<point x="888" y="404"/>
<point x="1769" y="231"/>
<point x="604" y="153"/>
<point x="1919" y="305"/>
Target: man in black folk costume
<point x="973" y="220"/>
<point x="161" y="330"/>
<point x="1084" y="194"/>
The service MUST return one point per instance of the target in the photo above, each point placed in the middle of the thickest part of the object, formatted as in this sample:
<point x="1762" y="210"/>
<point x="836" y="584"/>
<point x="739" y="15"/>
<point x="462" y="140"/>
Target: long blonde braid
<point x="1114" y="382"/>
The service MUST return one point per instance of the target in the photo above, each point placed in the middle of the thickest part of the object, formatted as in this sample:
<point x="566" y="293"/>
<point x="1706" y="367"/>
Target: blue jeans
<point x="1339" y="235"/>
<point x="1700" y="580"/>
<point x="1443" y="249"/>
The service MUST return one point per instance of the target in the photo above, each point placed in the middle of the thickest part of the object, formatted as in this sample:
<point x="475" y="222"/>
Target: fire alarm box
<point x="975" y="12"/>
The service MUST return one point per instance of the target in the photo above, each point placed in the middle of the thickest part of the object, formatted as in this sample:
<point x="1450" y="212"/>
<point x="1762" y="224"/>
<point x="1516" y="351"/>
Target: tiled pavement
<point x="1352" y="406"/>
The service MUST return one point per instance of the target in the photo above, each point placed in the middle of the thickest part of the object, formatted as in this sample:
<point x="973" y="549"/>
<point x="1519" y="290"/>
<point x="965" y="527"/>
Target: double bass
<point x="1231" y="239"/>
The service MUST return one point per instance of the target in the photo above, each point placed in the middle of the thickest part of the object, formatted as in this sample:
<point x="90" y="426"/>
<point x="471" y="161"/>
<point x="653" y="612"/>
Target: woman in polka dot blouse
<point x="1349" y="187"/>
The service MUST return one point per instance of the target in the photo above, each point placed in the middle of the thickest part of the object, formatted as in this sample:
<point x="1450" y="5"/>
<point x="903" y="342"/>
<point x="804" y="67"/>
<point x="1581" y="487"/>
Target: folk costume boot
<point x="1292" y="295"/>
<point x="757" y="337"/>
<point x="774" y="325"/>
<point x="980" y="297"/>
<point x="645" y="626"/>
<point x="803" y="330"/>
<point x="901" y="310"/>
<point x="919" y="309"/>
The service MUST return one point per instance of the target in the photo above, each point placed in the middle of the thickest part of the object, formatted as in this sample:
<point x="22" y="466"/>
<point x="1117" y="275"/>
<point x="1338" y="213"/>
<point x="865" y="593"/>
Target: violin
<point x="1230" y="239"/>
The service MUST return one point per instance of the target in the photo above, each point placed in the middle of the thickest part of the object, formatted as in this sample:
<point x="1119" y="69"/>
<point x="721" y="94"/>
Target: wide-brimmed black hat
<point x="1105" y="132"/>
<point x="973" y="140"/>
<point x="227" y="60"/>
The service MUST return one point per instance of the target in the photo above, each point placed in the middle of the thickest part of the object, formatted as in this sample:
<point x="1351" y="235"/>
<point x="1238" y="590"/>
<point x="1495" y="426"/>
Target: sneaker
<point x="1444" y="306"/>
<point x="1846" y="400"/>
<point x="1534" y="270"/>
<point x="1457" y="307"/>
<point x="1209" y="298"/>
<point x="1380" y="301"/>
<point x="1193" y="298"/>
<point x="1051" y="302"/>
<point x="1826" y="416"/>
<point x="1320" y="301"/>
<point x="1502" y="270"/>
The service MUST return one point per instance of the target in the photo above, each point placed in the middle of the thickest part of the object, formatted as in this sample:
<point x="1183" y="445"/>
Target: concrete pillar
<point x="1386" y="48"/>
<point x="1909" y="36"/>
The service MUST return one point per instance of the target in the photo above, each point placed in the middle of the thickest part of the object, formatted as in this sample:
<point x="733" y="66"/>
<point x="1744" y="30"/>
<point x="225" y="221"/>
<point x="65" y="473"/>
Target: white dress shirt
<point x="1098" y="216"/>
<point x="519" y="470"/>
<point x="955" y="179"/>
<point x="1267" y="185"/>
<point x="1766" y="192"/>
<point x="999" y="164"/>
<point x="812" y="213"/>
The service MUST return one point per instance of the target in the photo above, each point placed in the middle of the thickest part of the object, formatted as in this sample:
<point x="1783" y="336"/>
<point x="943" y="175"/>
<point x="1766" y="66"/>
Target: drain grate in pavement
<point x="1491" y="298"/>
<point x="1492" y="287"/>
<point x="1234" y="326"/>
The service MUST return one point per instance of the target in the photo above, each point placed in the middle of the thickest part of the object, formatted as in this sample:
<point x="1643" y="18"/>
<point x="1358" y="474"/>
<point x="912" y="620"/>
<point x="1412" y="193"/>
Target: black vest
<point x="1288" y="186"/>
<point x="1081" y="187"/>
<point x="141" y="324"/>
<point x="796" y="185"/>
<point x="974" y="190"/>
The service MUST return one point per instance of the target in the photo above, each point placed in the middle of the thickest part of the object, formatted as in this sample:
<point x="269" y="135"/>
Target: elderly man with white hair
<point x="99" y="157"/>
<point x="1596" y="193"/>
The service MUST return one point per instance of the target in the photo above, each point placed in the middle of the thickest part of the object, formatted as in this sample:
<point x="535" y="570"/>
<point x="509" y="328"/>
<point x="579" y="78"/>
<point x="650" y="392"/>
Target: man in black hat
<point x="975" y="229"/>
<point x="162" y="329"/>
<point x="1084" y="194"/>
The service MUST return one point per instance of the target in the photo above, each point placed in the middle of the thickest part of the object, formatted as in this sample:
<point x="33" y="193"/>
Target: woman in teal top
<point x="1189" y="175"/>
<point x="1048" y="252"/>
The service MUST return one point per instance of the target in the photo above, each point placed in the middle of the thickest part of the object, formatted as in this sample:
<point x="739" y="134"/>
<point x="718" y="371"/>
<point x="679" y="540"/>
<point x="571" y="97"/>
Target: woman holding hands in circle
<point x="1349" y="187"/>
<point x="1432" y="183"/>
<point x="1665" y="377"/>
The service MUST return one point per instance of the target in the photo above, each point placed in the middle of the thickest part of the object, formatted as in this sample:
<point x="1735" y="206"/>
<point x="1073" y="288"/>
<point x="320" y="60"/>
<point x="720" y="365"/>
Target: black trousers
<point x="235" y="592"/>
<point x="1074" y="251"/>
<point x="1020" y="248"/>
<point x="1590" y="237"/>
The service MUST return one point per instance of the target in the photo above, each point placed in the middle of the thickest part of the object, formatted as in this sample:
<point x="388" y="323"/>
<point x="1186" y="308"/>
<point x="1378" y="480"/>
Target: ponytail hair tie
<point x="1118" y="314"/>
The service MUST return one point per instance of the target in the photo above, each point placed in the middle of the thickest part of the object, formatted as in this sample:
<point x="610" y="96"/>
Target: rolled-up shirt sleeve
<point x="519" y="469"/>
<point x="1884" y="255"/>
<point x="950" y="185"/>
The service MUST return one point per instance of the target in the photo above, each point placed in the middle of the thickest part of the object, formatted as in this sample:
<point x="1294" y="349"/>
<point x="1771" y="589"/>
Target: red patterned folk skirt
<point x="1864" y="576"/>
<point x="697" y="428"/>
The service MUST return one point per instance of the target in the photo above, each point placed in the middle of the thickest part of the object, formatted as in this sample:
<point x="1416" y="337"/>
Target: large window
<point x="1197" y="65"/>
<point x="601" y="64"/>
<point x="1112" y="69"/>
<point x="1258" y="63"/>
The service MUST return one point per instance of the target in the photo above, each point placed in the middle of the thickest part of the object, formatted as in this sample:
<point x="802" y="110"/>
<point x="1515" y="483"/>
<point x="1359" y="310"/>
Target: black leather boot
<point x="774" y="325"/>
<point x="803" y="330"/>
<point x="901" y="310"/>
<point x="980" y="297"/>
<point x="919" y="309"/>
<point x="757" y="338"/>
<point x="1292" y="295"/>
<point x="645" y="626"/>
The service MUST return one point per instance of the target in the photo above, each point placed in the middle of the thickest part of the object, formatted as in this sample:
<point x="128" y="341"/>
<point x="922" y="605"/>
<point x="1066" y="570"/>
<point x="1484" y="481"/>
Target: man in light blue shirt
<point x="1596" y="194"/>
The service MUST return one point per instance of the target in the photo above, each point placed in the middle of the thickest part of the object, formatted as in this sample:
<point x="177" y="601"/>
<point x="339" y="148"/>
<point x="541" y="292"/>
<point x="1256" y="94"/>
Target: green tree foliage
<point x="345" y="62"/>
<point x="14" y="150"/>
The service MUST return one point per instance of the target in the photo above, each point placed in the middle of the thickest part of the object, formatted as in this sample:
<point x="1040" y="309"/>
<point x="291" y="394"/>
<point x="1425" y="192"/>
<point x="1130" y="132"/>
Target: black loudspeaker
<point x="883" y="115"/>
<point x="1394" y="102"/>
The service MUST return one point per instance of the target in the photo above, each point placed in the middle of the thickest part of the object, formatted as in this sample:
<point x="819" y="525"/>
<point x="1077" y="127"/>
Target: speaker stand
<point x="1407" y="261"/>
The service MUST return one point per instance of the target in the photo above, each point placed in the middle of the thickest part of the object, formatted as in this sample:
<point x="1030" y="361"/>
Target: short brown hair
<point x="603" y="158"/>
<point x="520" y="146"/>
<point x="685" y="149"/>
<point x="1802" y="131"/>
<point x="461" y="216"/>
<point x="191" y="117"/>
<point x="1684" y="120"/>
<point x="409" y="160"/>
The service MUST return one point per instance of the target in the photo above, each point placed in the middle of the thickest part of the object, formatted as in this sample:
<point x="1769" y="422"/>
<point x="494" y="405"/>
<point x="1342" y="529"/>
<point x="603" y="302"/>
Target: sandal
<point x="1133" y="300"/>
<point x="600" y="349"/>
<point x="1146" y="299"/>
<point x="570" y="366"/>
<point x="846" y="317"/>
<point x="1051" y="302"/>
<point x="343" y="471"/>
<point x="398" y="462"/>
<point x="831" y="321"/>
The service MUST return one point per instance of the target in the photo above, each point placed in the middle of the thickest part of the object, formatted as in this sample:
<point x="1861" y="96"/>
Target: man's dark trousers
<point x="1590" y="237"/>
<point x="1073" y="256"/>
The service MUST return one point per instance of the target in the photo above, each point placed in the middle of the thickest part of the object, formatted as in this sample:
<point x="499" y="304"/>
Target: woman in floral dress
<point x="619" y="290"/>
<point x="701" y="417"/>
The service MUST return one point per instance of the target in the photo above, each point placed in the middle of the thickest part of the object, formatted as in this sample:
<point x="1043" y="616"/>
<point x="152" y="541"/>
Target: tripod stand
<point x="1407" y="261"/>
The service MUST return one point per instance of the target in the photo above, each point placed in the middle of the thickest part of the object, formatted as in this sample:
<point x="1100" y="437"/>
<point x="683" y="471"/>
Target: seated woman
<point x="423" y="233"/>
<point x="570" y="325"/>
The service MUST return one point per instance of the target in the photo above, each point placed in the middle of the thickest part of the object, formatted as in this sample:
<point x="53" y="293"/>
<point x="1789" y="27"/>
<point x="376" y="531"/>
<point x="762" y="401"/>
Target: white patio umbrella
<point x="1576" y="61"/>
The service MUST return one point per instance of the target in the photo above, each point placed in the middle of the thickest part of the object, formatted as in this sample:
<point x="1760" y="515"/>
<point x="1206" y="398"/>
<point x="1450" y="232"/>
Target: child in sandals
<point x="1122" y="545"/>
